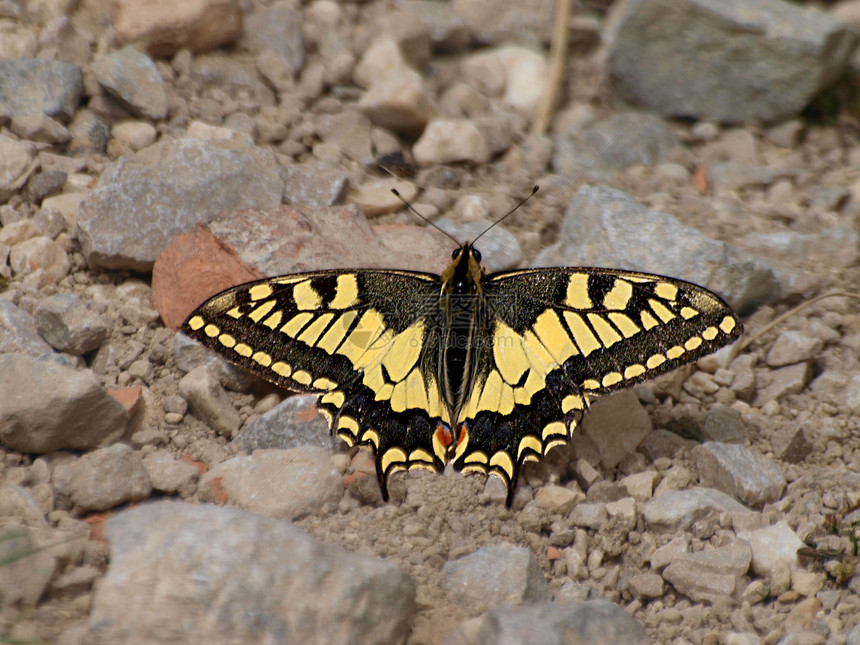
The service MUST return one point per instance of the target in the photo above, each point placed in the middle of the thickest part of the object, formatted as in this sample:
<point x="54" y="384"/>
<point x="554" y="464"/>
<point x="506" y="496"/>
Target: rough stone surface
<point x="163" y="28"/>
<point x="208" y="401"/>
<point x="189" y="354"/>
<point x="292" y="423"/>
<point x="70" y="325"/>
<point x="797" y="53"/>
<point x="24" y="580"/>
<point x="677" y="510"/>
<point x="447" y="141"/>
<point x="143" y="200"/>
<point x="493" y="575"/>
<point x="772" y="545"/>
<point x="170" y="475"/>
<point x="595" y="232"/>
<point x="108" y="477"/>
<point x="739" y="471"/>
<point x="783" y="381"/>
<point x="286" y="484"/>
<point x="132" y="79"/>
<point x="646" y="586"/>
<point x="299" y="590"/>
<point x="617" y="424"/>
<point x="711" y="574"/>
<point x="18" y="332"/>
<point x="571" y="623"/>
<point x="35" y="86"/>
<point x="46" y="406"/>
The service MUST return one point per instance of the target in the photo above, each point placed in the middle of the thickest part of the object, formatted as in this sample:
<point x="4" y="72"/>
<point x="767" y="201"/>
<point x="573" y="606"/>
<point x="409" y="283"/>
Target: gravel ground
<point x="149" y="160"/>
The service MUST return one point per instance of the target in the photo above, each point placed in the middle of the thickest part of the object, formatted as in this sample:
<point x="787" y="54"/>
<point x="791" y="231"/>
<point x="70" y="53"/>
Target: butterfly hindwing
<point x="553" y="338"/>
<point x="366" y="341"/>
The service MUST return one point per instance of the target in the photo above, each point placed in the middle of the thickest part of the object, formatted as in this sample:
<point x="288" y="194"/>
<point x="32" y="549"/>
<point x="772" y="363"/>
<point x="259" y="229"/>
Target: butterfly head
<point x="465" y="272"/>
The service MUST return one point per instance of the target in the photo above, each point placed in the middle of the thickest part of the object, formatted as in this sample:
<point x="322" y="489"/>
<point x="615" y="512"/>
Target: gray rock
<point x="793" y="347"/>
<point x="853" y="637"/>
<point x="837" y="245"/>
<point x="557" y="499"/>
<point x="662" y="443"/>
<point x="39" y="127"/>
<point x="740" y="472"/>
<point x="556" y="623"/>
<point x="315" y="182"/>
<point x="223" y="566"/>
<point x="89" y="133"/>
<point x="108" y="477"/>
<point x="590" y="516"/>
<point x="596" y="232"/>
<point x="69" y="324"/>
<point x="36" y="86"/>
<point x="614" y="144"/>
<point x="604" y="491"/>
<point x="783" y="381"/>
<point x="350" y="132"/>
<point x="744" y="381"/>
<point x="709" y="575"/>
<point x="500" y="250"/>
<point x="735" y="175"/>
<point x="131" y="77"/>
<point x="771" y="546"/>
<point x="677" y="510"/>
<point x="448" y="32"/>
<point x="281" y="483"/>
<point x="617" y="424"/>
<point x="190" y="354"/>
<point x="293" y="422"/>
<point x="277" y="30"/>
<point x="496" y="21"/>
<point x="18" y="332"/>
<point x="143" y="200"/>
<point x="27" y="570"/>
<point x="668" y="553"/>
<point x="171" y="476"/>
<point x="726" y="425"/>
<point x="17" y="163"/>
<point x="797" y="53"/>
<point x="493" y="575"/>
<point x="791" y="444"/>
<point x="208" y="401"/>
<point x="47" y="406"/>
<point x="646" y="586"/>
<point x="18" y="502"/>
<point x="45" y="184"/>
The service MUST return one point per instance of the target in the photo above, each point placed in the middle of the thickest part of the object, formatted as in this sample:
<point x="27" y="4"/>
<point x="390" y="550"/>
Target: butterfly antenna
<point x="510" y="212"/>
<point x="412" y="208"/>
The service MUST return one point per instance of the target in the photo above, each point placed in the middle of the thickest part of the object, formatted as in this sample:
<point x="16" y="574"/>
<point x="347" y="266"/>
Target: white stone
<point x="135" y="134"/>
<point x="625" y="510"/>
<point x="772" y="545"/>
<point x="641" y="485"/>
<point x="448" y="141"/>
<point x="518" y="74"/>
<point x="40" y="253"/>
<point x="376" y="198"/>
<point x="382" y="59"/>
<point x="398" y="102"/>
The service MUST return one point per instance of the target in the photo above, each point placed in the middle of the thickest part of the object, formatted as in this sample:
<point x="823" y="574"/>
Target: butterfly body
<point x="486" y="371"/>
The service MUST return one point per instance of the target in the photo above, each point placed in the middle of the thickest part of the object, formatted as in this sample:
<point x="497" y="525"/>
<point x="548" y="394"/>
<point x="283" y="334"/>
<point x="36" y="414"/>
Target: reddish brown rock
<point x="194" y="266"/>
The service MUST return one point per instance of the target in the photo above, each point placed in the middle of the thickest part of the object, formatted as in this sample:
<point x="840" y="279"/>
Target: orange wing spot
<point x="443" y="435"/>
<point x="463" y="436"/>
